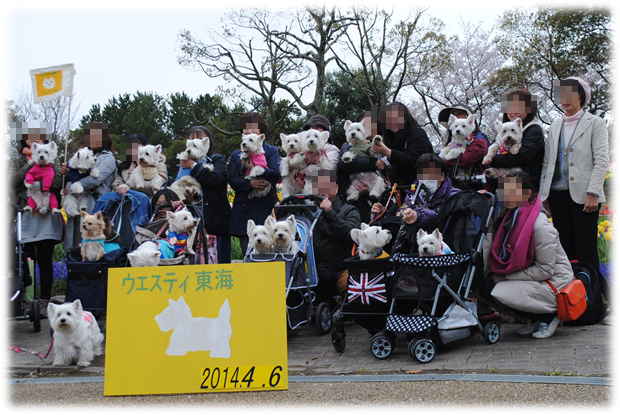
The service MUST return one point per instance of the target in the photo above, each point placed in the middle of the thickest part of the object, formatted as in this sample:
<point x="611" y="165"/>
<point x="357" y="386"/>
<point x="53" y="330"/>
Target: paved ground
<point x="585" y="351"/>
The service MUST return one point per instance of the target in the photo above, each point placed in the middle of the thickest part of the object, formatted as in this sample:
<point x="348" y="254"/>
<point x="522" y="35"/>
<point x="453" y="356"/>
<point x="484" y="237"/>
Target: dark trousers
<point x="42" y="252"/>
<point x="578" y="230"/>
<point x="223" y="249"/>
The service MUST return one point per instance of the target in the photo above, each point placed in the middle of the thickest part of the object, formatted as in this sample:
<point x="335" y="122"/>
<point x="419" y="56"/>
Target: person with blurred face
<point x="524" y="105"/>
<point x="574" y="168"/>
<point x="332" y="234"/>
<point x="129" y="161"/>
<point x="521" y="252"/>
<point x="98" y="139"/>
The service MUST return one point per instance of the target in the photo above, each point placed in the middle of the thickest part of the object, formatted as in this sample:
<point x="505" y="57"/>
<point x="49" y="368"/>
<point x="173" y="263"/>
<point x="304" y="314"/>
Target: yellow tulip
<point x="601" y="229"/>
<point x="610" y="230"/>
<point x="608" y="236"/>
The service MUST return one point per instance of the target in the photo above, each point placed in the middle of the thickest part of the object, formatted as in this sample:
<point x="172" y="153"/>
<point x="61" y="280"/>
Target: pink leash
<point x="19" y="350"/>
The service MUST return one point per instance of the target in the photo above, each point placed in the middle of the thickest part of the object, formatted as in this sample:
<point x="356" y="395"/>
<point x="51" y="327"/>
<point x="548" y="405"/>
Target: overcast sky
<point x="120" y="49"/>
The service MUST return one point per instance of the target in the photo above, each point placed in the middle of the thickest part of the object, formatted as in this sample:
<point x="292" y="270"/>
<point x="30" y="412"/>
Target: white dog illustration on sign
<point x="195" y="334"/>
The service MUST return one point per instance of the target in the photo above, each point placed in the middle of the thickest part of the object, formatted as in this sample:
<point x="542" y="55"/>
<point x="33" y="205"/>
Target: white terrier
<point x="252" y="150"/>
<point x="370" y="240"/>
<point x="197" y="149"/>
<point x="149" y="157"/>
<point x="313" y="145"/>
<point x="147" y="255"/>
<point x="356" y="136"/>
<point x="42" y="170"/>
<point x="260" y="237"/>
<point x="180" y="224"/>
<point x="290" y="165"/>
<point x="188" y="189"/>
<point x="508" y="140"/>
<point x="461" y="130"/>
<point x="283" y="234"/>
<point x="80" y="165"/>
<point x="77" y="337"/>
<point x="195" y="334"/>
<point x="432" y="244"/>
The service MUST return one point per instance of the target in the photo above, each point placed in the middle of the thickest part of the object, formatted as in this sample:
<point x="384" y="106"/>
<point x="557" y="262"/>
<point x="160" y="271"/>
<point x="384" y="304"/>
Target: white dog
<point x="461" y="130"/>
<point x="149" y="157"/>
<point x="81" y="164"/>
<point x="290" y="165"/>
<point x="356" y="136"/>
<point x="195" y="334"/>
<point x="77" y="337"/>
<point x="252" y="150"/>
<point x="260" y="237"/>
<point x="313" y="146"/>
<point x="180" y="224"/>
<point x="197" y="149"/>
<point x="432" y="244"/>
<point x="188" y="189"/>
<point x="147" y="255"/>
<point x="42" y="171"/>
<point x="371" y="240"/>
<point x="508" y="140"/>
<point x="283" y="234"/>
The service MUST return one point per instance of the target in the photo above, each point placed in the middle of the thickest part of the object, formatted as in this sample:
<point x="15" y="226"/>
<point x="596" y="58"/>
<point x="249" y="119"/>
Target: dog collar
<point x="502" y="149"/>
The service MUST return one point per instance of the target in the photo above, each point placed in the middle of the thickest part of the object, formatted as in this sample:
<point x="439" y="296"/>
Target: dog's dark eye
<point x="377" y="231"/>
<point x="68" y="314"/>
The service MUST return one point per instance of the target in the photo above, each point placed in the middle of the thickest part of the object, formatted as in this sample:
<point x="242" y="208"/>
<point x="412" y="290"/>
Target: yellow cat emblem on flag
<point x="49" y="82"/>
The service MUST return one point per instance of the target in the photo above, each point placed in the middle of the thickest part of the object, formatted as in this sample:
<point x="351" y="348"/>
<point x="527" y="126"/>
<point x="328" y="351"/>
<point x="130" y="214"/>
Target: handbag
<point x="571" y="300"/>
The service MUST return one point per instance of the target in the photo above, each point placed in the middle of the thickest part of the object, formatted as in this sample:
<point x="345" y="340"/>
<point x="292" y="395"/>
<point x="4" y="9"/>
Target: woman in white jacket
<point x="574" y="167"/>
<point x="521" y="252"/>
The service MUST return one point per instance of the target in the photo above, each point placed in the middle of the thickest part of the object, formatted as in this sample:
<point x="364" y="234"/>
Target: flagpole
<point x="62" y="192"/>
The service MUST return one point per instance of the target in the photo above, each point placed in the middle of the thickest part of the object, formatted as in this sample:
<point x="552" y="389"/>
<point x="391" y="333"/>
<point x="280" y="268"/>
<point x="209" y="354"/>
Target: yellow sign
<point x="196" y="328"/>
<point x="48" y="83"/>
<point x="51" y="81"/>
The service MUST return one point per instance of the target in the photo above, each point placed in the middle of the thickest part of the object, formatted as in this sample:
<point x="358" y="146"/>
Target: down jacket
<point x="526" y="290"/>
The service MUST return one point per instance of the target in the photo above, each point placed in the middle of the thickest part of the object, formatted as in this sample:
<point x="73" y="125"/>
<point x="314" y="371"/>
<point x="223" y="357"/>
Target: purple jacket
<point x="427" y="215"/>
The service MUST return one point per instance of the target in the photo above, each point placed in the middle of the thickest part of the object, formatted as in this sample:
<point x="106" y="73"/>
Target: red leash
<point x="19" y="350"/>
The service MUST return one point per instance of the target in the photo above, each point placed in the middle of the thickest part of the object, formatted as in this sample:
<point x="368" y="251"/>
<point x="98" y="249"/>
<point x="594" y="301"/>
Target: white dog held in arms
<point x="76" y="334"/>
<point x="83" y="160"/>
<point x="195" y="334"/>
<point x="462" y="130"/>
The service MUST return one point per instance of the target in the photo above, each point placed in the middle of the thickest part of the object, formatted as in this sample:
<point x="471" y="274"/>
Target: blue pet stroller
<point x="429" y="297"/>
<point x="301" y="270"/>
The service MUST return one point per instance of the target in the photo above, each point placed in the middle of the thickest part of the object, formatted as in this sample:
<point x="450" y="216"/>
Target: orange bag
<point x="571" y="300"/>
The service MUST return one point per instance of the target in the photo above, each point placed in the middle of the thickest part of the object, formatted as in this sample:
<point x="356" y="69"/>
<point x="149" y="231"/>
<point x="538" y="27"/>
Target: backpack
<point x="597" y="294"/>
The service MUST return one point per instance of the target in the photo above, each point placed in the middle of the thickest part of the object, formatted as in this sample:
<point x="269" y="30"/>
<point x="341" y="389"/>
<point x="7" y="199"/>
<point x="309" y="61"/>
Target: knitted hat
<point x="444" y="114"/>
<point x="586" y="90"/>
<point x="318" y="120"/>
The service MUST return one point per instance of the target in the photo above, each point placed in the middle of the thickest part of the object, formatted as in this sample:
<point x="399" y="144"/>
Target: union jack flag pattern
<point x="367" y="289"/>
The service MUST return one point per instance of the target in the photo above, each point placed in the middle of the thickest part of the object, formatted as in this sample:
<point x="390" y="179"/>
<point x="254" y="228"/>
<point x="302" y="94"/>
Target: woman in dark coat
<point x="214" y="185"/>
<point x="404" y="141"/>
<point x="256" y="208"/>
<point x="522" y="104"/>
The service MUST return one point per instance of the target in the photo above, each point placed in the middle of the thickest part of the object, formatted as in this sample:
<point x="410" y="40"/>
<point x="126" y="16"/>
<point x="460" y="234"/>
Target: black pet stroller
<point x="19" y="275"/>
<point x="301" y="271"/>
<point x="370" y="281"/>
<point x="431" y="301"/>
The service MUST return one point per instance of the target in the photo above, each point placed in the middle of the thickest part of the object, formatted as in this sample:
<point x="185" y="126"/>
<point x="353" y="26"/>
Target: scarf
<point x="312" y="157"/>
<point x="149" y="172"/>
<point x="513" y="247"/>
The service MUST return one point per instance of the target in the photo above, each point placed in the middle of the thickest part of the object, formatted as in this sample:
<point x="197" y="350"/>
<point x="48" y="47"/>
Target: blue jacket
<point x="140" y="206"/>
<point x="257" y="208"/>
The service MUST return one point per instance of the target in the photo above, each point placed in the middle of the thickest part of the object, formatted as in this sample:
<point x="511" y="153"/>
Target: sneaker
<point x="528" y="328"/>
<point x="546" y="330"/>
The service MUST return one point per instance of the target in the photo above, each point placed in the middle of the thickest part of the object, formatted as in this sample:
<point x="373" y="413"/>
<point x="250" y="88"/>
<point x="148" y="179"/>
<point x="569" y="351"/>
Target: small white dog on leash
<point x="252" y="151"/>
<point x="82" y="162"/>
<point x="461" y="130"/>
<point x="148" y="158"/>
<point x="77" y="337"/>
<point x="370" y="240"/>
<point x="260" y="238"/>
<point x="508" y="140"/>
<point x="197" y="149"/>
<point x="356" y="136"/>
<point x="282" y="234"/>
<point x="432" y="244"/>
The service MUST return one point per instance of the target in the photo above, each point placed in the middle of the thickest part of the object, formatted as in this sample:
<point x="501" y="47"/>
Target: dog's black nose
<point x="62" y="320"/>
<point x="280" y="235"/>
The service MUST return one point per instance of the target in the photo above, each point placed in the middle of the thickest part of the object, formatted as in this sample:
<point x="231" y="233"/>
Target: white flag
<point x="52" y="81"/>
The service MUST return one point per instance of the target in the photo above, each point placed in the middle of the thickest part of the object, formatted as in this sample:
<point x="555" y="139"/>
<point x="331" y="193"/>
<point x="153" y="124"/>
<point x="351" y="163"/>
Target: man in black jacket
<point x="332" y="235"/>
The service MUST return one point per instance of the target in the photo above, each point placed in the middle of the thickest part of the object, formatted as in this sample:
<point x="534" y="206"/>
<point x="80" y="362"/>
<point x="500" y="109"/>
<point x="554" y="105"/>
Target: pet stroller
<point x="19" y="275"/>
<point x="301" y="270"/>
<point x="370" y="281"/>
<point x="431" y="300"/>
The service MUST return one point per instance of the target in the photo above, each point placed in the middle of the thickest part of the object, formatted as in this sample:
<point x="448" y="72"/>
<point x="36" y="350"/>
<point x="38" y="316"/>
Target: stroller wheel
<point x="323" y="318"/>
<point x="338" y="342"/>
<point x="381" y="346"/>
<point x="491" y="332"/>
<point x="35" y="316"/>
<point x="422" y="350"/>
